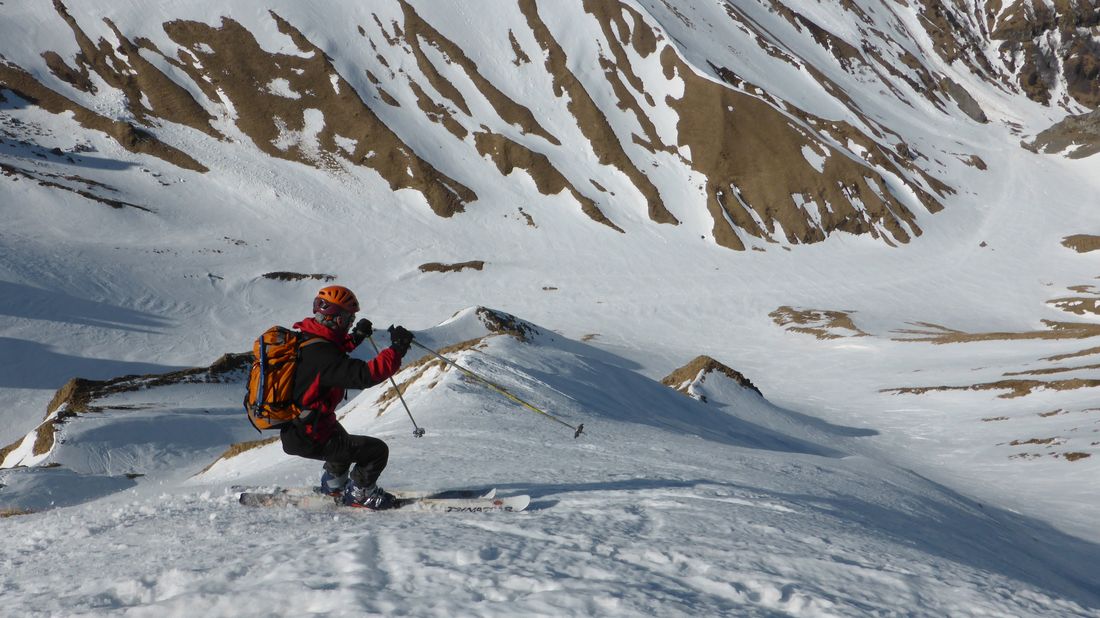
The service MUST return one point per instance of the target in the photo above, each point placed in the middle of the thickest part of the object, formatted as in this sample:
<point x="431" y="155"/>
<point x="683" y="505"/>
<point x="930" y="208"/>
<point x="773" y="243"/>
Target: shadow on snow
<point x="946" y="525"/>
<point x="24" y="301"/>
<point x="27" y="364"/>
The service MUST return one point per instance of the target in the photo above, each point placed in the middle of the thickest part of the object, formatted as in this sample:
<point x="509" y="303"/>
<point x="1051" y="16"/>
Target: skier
<point x="352" y="463"/>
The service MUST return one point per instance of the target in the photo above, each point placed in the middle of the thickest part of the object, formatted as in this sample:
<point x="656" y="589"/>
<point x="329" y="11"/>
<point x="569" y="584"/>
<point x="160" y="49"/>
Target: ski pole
<point x="500" y="389"/>
<point x="417" y="432"/>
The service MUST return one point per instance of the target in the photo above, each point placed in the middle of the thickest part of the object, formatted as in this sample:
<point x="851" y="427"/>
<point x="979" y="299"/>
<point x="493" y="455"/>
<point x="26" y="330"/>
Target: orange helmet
<point x="335" y="299"/>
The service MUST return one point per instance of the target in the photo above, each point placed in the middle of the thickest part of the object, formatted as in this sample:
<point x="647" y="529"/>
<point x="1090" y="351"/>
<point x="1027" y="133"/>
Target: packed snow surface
<point x="666" y="505"/>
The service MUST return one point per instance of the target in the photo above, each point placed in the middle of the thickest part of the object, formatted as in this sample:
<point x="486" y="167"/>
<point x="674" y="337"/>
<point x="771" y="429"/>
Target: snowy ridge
<point x="800" y="525"/>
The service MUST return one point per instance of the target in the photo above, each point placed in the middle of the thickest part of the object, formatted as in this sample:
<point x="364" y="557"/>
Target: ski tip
<point x="580" y="430"/>
<point x="507" y="504"/>
<point x="520" y="503"/>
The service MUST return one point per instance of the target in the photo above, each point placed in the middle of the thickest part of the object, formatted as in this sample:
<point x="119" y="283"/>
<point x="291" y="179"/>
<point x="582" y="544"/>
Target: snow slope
<point x="667" y="505"/>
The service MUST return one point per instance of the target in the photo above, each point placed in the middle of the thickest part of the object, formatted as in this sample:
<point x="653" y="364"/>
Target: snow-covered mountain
<point x="763" y="120"/>
<point x="817" y="277"/>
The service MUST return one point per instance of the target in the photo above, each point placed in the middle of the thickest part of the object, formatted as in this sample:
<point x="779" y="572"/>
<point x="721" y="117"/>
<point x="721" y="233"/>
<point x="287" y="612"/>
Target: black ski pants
<point x="369" y="455"/>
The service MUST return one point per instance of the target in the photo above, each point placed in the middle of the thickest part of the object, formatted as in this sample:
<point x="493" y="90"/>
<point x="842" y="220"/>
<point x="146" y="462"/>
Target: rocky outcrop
<point x="299" y="107"/>
<point x="79" y="396"/>
<point x="127" y="135"/>
<point x="1079" y="134"/>
<point x="1047" y="41"/>
<point x="698" y="370"/>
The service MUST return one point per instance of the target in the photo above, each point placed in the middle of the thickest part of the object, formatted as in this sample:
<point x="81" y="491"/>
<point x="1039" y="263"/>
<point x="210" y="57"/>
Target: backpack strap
<point x="311" y="339"/>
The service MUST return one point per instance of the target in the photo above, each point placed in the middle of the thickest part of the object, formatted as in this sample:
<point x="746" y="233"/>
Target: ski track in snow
<point x="763" y="533"/>
<point x="598" y="553"/>
<point x="635" y="518"/>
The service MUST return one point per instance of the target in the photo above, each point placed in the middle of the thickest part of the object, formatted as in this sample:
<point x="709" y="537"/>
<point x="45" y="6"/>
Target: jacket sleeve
<point x="334" y="368"/>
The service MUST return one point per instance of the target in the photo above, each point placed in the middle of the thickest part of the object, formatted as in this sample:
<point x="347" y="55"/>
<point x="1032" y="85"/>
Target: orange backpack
<point x="269" y="400"/>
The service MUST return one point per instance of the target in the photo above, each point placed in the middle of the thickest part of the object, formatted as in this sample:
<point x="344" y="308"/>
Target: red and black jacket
<point x="325" y="372"/>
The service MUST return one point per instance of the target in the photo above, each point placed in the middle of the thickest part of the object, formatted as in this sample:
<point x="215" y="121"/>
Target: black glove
<point x="400" y="340"/>
<point x="363" y="329"/>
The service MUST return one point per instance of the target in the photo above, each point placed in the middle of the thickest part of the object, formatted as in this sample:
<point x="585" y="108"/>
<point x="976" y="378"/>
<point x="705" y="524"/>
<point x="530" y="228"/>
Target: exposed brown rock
<point x="437" y="267"/>
<point x="68" y="183"/>
<point x="78" y="78"/>
<point x="1062" y="357"/>
<point x="1039" y="441"/>
<point x="528" y="218"/>
<point x="235" y="66"/>
<point x="1082" y="71"/>
<point x="437" y="112"/>
<point x="511" y="112"/>
<point x="419" y="368"/>
<point x="289" y="276"/>
<point x="933" y="333"/>
<point x="701" y="367"/>
<point x="1080" y="132"/>
<point x="819" y="323"/>
<point x="1052" y="371"/>
<point x="78" y="394"/>
<point x="1015" y="388"/>
<point x="1078" y="305"/>
<point x="1027" y="28"/>
<point x="976" y="161"/>
<point x="521" y="57"/>
<point x="590" y="118"/>
<point x="122" y="67"/>
<point x="502" y="323"/>
<point x="7" y="450"/>
<point x="1082" y="243"/>
<point x="508" y="155"/>
<point x="238" y="448"/>
<point x="127" y="135"/>
<point x="952" y="40"/>
<point x="966" y="101"/>
<point x="955" y="34"/>
<point x="746" y="142"/>
<point x="759" y="179"/>
<point x="617" y="30"/>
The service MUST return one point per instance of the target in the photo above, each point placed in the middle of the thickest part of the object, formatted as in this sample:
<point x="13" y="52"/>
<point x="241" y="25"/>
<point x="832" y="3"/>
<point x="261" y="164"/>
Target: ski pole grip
<point x="393" y="328"/>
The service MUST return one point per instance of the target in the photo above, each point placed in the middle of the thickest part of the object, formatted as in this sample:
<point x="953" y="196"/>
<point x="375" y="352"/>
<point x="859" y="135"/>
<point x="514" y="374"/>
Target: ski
<point x="508" y="504"/>
<point x="488" y="493"/>
<point x="399" y="493"/>
<point x="319" y="501"/>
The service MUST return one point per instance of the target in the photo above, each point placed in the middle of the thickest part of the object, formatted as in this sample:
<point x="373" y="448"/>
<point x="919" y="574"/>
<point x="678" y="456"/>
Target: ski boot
<point x="333" y="485"/>
<point x="374" y="497"/>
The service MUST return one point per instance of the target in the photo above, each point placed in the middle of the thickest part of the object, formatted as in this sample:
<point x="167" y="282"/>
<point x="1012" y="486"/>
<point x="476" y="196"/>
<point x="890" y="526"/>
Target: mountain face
<point x="1051" y="48"/>
<point x="779" y="116"/>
